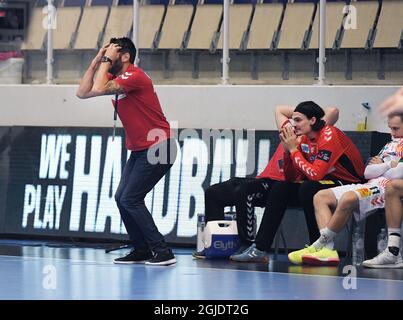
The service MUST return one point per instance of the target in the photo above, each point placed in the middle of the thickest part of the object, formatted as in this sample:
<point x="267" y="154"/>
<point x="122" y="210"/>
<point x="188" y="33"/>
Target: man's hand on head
<point x="112" y="52"/>
<point x="100" y="54"/>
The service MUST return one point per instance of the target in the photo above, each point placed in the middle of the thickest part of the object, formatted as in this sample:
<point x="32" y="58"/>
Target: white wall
<point x="192" y="106"/>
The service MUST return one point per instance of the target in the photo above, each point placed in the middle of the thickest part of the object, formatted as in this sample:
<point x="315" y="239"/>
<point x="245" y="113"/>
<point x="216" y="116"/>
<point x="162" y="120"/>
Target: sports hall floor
<point x="43" y="270"/>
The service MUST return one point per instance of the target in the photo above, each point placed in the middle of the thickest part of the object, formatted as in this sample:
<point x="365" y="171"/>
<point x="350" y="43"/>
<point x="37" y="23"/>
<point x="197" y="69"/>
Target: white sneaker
<point x="399" y="262"/>
<point x="252" y="254"/>
<point x="384" y="260"/>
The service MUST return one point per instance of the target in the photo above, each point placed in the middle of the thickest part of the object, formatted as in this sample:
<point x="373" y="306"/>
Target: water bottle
<point x="358" y="247"/>
<point x="382" y="240"/>
<point x="200" y="231"/>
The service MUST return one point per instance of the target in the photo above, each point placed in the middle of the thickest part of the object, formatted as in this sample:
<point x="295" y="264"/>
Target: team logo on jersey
<point x="324" y="155"/>
<point x="368" y="192"/>
<point x="364" y="192"/>
<point x="375" y="190"/>
<point x="328" y="134"/>
<point x="314" y="148"/>
<point x="126" y="75"/>
<point x="304" y="148"/>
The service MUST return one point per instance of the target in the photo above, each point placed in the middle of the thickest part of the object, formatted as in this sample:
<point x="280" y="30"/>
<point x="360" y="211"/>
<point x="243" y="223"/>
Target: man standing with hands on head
<point x="148" y="136"/>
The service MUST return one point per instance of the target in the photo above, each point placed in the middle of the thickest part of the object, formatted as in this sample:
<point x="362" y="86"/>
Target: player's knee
<point x="348" y="200"/>
<point x="394" y="187"/>
<point x="390" y="189"/>
<point x="322" y="197"/>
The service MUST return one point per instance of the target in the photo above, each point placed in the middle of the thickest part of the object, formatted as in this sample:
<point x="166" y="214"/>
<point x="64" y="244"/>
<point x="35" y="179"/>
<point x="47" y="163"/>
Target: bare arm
<point x="102" y="85"/>
<point x="392" y="104"/>
<point x="331" y="115"/>
<point x="87" y="82"/>
<point x="284" y="112"/>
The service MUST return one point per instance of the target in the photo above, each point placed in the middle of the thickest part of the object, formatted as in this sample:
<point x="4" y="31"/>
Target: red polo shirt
<point x="140" y="111"/>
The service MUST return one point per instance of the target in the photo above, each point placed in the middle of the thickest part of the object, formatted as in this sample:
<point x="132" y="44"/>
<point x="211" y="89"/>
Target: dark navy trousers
<point x="141" y="173"/>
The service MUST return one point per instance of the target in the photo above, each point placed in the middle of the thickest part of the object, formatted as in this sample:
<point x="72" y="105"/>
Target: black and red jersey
<point x="274" y="169"/>
<point x="332" y="155"/>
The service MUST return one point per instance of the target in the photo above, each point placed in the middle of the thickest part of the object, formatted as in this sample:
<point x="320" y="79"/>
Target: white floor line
<point x="289" y="274"/>
<point x="83" y="262"/>
<point x="57" y="259"/>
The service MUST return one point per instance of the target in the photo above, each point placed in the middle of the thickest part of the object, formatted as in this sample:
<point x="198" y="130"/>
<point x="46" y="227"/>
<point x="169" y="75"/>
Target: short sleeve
<point x="130" y="80"/>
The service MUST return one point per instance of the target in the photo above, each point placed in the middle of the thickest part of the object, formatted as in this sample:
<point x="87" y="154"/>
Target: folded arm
<point x="395" y="173"/>
<point x="373" y="171"/>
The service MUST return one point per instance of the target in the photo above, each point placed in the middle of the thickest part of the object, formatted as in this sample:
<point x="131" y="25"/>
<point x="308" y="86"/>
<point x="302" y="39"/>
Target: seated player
<point x="358" y="199"/>
<point x="317" y="156"/>
<point x="247" y="193"/>
<point x="390" y="257"/>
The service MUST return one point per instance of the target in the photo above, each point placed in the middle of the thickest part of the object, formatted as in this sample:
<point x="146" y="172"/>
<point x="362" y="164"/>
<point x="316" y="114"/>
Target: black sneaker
<point x="199" y="254"/>
<point x="135" y="256"/>
<point x="162" y="258"/>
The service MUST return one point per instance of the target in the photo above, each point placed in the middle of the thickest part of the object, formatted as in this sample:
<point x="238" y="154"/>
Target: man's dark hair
<point x="127" y="46"/>
<point x="311" y="109"/>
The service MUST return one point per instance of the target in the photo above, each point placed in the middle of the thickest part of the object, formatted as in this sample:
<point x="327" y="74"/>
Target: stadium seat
<point x="264" y="25"/>
<point x="334" y="19"/>
<point x="119" y="23"/>
<point x="36" y="32"/>
<point x="390" y="25"/>
<point x="175" y="25"/>
<point x="68" y="18"/>
<point x="366" y="13"/>
<point x="297" y="19"/>
<point x="150" y="22"/>
<point x="239" y="16"/>
<point x="91" y="28"/>
<point x="206" y="22"/>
